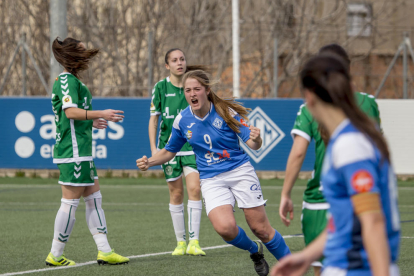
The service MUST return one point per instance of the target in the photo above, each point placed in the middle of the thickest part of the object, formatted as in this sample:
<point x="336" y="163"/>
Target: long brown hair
<point x="327" y="76"/>
<point x="189" y="67"/>
<point x="72" y="56"/>
<point x="224" y="107"/>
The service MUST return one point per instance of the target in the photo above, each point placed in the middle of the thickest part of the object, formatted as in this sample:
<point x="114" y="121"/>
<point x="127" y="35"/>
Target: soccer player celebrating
<point x="213" y="127"/>
<point x="363" y="230"/>
<point x="72" y="105"/>
<point x="306" y="128"/>
<point x="168" y="101"/>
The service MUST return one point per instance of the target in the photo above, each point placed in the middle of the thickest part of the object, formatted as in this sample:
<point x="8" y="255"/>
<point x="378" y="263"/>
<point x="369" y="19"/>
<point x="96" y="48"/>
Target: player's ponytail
<point x="72" y="56"/>
<point x="224" y="107"/>
<point x="327" y="76"/>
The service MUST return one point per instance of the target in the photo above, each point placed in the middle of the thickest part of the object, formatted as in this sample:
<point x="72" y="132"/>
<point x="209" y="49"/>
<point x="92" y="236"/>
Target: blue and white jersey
<point x="214" y="143"/>
<point x="354" y="165"/>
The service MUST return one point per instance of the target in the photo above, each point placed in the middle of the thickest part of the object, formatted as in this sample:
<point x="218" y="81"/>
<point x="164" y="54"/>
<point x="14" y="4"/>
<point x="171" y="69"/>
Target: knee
<point x="227" y="231"/>
<point x="261" y="232"/>
<point x="194" y="190"/>
<point x="176" y="196"/>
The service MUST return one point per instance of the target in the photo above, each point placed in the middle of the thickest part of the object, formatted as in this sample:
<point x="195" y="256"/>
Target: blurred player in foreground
<point x="168" y="101"/>
<point x="213" y="126"/>
<point x="72" y="105"/>
<point x="304" y="130"/>
<point x="363" y="231"/>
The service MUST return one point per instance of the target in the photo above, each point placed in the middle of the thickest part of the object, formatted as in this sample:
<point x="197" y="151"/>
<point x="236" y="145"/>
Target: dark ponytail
<point x="327" y="76"/>
<point x="72" y="56"/>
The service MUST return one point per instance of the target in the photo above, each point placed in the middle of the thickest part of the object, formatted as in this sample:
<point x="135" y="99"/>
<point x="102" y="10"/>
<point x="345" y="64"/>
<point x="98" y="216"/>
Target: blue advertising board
<point x="28" y="133"/>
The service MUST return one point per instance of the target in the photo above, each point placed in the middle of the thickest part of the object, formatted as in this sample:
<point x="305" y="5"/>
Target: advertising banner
<point x="28" y="133"/>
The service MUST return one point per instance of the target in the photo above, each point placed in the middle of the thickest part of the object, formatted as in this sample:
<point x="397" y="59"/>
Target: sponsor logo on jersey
<point x="168" y="170"/>
<point x="362" y="181"/>
<point x="218" y="123"/>
<point x="57" y="78"/>
<point x="67" y="99"/>
<point x="243" y="122"/>
<point x="191" y="125"/>
<point x="92" y="175"/>
<point x="271" y="134"/>
<point x="189" y="134"/>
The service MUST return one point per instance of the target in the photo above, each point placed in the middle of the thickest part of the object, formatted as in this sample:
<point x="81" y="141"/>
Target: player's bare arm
<point x="297" y="264"/>
<point x="255" y="141"/>
<point x="159" y="158"/>
<point x="152" y="133"/>
<point x="82" y="114"/>
<point x="293" y="166"/>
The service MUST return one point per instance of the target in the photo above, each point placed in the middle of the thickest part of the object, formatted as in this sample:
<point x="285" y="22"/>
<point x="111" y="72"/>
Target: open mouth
<point x="180" y="69"/>
<point x="194" y="101"/>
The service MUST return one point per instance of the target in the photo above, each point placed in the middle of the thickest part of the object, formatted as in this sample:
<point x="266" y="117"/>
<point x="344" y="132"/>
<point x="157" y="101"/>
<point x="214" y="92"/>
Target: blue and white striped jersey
<point x="353" y="165"/>
<point x="215" y="144"/>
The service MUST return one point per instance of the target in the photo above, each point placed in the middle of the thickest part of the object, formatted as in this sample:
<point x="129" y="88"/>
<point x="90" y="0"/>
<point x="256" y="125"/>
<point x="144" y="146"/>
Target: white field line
<point x="130" y="257"/>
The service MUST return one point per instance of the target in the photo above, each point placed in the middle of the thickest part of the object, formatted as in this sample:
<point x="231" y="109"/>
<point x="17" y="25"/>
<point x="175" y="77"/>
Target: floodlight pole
<point x="405" y="67"/>
<point x="403" y="47"/>
<point x="25" y="50"/>
<point x="275" y="66"/>
<point x="58" y="28"/>
<point x="236" y="49"/>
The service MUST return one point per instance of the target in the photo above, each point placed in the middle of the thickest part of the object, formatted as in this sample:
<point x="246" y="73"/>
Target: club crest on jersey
<point x="67" y="99"/>
<point x="362" y="181"/>
<point x="189" y="134"/>
<point x="218" y="123"/>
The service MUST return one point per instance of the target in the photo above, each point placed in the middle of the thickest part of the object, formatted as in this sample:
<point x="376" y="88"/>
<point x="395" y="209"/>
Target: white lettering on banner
<point x="25" y="147"/>
<point x="271" y="134"/>
<point x="46" y="151"/>
<point x="99" y="151"/>
<point x="101" y="133"/>
<point x="119" y="131"/>
<point x="48" y="131"/>
<point x="98" y="134"/>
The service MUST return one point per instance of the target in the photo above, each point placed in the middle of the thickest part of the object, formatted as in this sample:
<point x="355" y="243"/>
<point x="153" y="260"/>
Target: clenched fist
<point x="142" y="163"/>
<point x="255" y="134"/>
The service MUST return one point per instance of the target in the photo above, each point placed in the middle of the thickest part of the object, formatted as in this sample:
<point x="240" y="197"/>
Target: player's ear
<point x="208" y="91"/>
<point x="167" y="67"/>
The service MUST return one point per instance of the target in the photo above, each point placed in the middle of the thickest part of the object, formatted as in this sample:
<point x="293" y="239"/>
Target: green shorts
<point x="313" y="224"/>
<point x="174" y="168"/>
<point x="73" y="174"/>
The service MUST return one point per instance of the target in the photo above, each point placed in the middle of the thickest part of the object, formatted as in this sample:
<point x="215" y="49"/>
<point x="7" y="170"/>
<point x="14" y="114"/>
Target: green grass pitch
<point x="139" y="223"/>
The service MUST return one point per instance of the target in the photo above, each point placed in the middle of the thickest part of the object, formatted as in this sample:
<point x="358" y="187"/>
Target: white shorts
<point x="335" y="271"/>
<point x="241" y="184"/>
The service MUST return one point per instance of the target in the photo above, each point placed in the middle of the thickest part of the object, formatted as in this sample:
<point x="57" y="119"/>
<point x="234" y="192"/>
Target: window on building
<point x="359" y="19"/>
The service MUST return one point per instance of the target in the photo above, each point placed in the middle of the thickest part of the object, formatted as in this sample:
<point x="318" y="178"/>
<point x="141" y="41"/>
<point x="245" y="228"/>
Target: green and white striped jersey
<point x="73" y="137"/>
<point x="168" y="101"/>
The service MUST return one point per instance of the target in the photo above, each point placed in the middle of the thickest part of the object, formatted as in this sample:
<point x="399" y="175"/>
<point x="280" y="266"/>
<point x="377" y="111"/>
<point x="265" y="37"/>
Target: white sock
<point x="177" y="215"/>
<point x="95" y="218"/>
<point x="102" y="243"/>
<point x="64" y="222"/>
<point x="194" y="217"/>
<point x="57" y="248"/>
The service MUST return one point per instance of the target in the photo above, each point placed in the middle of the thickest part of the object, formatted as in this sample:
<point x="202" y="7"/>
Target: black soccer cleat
<point x="260" y="264"/>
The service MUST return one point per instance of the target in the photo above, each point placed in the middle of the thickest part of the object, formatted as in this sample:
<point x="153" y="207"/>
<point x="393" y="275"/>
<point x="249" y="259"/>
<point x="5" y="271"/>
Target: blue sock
<point x="277" y="246"/>
<point x="242" y="241"/>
